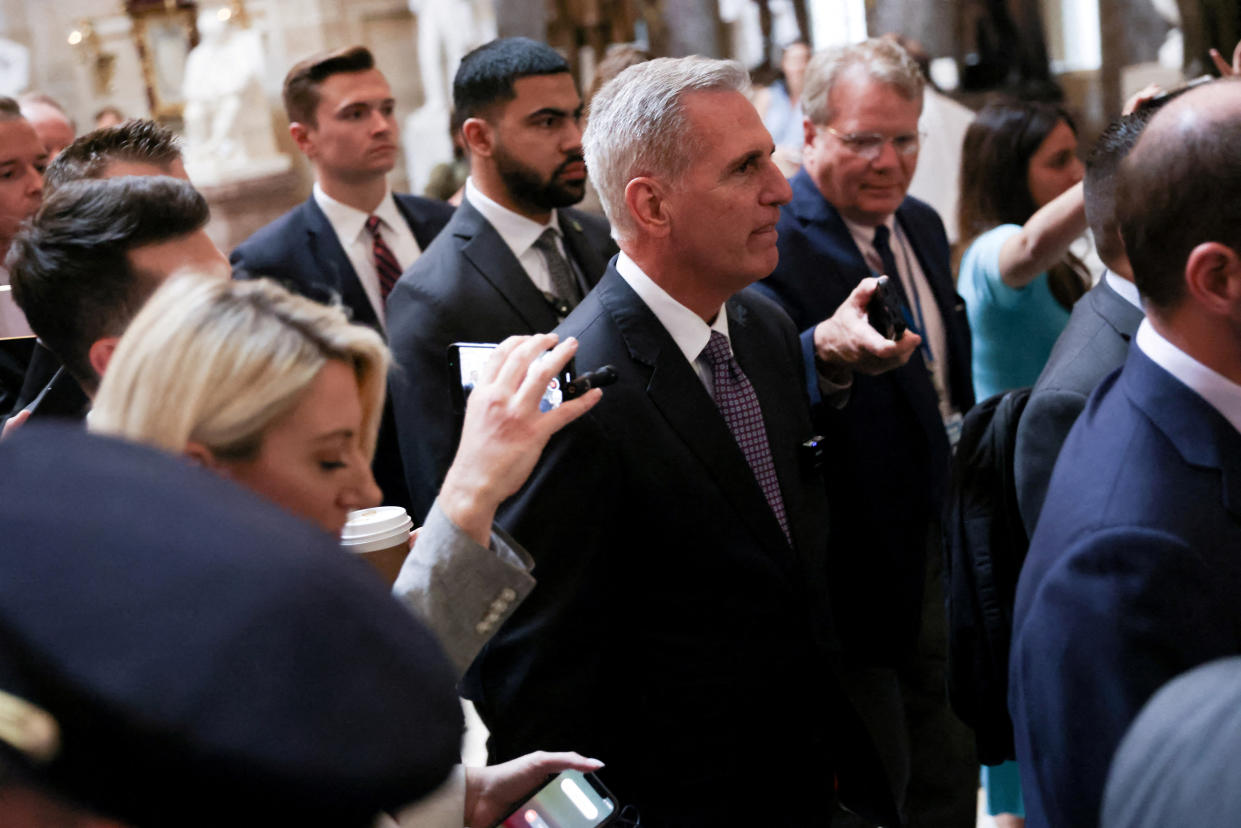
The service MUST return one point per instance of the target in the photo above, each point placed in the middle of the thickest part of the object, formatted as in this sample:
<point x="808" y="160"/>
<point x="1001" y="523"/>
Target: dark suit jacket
<point x="48" y="390"/>
<point x="1134" y="581"/>
<point x="301" y="251"/>
<point x="1092" y="345"/>
<point x="466" y="287"/>
<point x="887" y="452"/>
<point x="675" y="634"/>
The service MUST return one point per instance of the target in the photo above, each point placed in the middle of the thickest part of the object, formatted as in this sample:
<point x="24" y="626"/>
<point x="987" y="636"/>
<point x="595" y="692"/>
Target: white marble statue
<point x="228" y="129"/>
<point x="447" y="30"/>
<point x="14" y="67"/>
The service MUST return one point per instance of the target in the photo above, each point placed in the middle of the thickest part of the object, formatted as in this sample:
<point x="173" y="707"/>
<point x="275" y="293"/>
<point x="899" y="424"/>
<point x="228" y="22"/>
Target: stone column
<point x="521" y="18"/>
<point x="693" y="28"/>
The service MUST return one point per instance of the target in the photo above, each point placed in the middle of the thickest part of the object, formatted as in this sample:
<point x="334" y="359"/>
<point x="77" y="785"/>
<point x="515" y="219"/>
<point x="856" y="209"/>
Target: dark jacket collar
<point x="1200" y="433"/>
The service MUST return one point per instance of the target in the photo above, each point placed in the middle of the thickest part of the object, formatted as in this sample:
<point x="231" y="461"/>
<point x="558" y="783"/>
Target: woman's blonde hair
<point x="217" y="361"/>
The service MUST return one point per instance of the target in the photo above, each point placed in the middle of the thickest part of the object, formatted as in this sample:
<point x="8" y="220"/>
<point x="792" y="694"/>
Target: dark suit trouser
<point x="927" y="751"/>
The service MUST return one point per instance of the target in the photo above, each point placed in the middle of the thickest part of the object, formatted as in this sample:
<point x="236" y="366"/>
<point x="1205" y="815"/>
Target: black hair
<point x="69" y="267"/>
<point x="995" y="188"/>
<point x="1112" y="147"/>
<point x="486" y="75"/>
<point x="138" y="140"/>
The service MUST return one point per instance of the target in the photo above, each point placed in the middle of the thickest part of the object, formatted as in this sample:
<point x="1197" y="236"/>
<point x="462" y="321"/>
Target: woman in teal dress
<point x="1020" y="209"/>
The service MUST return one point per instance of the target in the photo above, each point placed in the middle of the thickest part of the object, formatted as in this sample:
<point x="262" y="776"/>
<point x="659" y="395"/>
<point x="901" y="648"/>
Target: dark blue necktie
<point x="882" y="234"/>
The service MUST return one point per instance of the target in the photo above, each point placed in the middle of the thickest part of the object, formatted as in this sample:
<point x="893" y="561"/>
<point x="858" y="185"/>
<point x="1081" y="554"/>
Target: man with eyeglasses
<point x="889" y="447"/>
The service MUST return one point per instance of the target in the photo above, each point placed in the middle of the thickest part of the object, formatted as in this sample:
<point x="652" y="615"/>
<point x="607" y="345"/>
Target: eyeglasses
<point x="869" y="145"/>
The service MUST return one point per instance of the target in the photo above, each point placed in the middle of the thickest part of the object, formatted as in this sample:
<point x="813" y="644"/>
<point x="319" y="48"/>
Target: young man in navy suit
<point x="850" y="219"/>
<point x="1134" y="569"/>
<point x="350" y="241"/>
<point x="513" y="260"/>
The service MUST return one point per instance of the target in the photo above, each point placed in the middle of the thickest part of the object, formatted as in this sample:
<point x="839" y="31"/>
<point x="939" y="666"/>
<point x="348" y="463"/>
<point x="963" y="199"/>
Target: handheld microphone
<point x="591" y="379"/>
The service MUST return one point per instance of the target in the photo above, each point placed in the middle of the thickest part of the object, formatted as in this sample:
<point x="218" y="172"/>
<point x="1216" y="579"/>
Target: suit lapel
<point x="1115" y="310"/>
<point x="330" y="257"/>
<point x="491" y="257"/>
<point x="823" y="222"/>
<point x="1200" y="433"/>
<point x="589" y="260"/>
<point x="424" y="234"/>
<point x="676" y="391"/>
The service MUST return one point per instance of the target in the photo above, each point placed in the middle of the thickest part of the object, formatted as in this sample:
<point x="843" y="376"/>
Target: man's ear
<point x="808" y="131"/>
<point x="647" y="202"/>
<point x="478" y="137"/>
<point x="302" y="137"/>
<point x="202" y="456"/>
<point x="1213" y="278"/>
<point x="100" y="353"/>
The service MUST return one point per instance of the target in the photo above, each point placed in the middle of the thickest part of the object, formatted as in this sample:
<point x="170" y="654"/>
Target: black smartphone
<point x="884" y="311"/>
<point x="569" y="799"/>
<point x="467" y="359"/>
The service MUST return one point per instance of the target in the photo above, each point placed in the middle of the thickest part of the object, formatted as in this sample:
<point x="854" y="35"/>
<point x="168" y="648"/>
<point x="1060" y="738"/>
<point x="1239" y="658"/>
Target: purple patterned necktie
<point x="735" y="397"/>
<point x="385" y="263"/>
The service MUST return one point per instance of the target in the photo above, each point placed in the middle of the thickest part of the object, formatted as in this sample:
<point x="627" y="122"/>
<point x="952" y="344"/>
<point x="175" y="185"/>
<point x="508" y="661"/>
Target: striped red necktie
<point x="385" y="263"/>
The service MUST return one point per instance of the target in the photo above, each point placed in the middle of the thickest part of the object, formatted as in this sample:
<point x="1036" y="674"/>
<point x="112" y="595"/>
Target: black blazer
<point x="675" y="633"/>
<point x="1092" y="345"/>
<point x="300" y="250"/>
<point x="887" y="451"/>
<point x="48" y="390"/>
<point x="466" y="287"/>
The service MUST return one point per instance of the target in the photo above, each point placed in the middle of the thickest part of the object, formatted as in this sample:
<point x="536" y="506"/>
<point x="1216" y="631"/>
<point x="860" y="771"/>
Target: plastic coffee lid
<point x="381" y="522"/>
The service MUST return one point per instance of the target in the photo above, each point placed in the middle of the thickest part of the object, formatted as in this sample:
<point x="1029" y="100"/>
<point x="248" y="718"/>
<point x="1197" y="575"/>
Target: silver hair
<point x="638" y="127"/>
<point x="879" y="59"/>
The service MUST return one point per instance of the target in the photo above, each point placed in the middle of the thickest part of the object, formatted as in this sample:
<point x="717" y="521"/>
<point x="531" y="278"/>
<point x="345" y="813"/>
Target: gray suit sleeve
<point x="1044" y="425"/>
<point x="463" y="591"/>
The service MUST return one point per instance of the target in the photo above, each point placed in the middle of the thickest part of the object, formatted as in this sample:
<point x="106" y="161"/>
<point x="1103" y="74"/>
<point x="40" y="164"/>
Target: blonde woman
<point x="283" y="395"/>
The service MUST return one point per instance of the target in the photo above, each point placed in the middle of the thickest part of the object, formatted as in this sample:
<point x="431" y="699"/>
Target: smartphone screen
<point x="469" y="358"/>
<point x="570" y="800"/>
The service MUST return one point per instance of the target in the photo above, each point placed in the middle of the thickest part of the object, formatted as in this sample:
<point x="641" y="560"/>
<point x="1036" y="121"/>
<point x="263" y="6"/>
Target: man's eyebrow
<point x="365" y="102"/>
<point x="549" y="110"/>
<point x="752" y="155"/>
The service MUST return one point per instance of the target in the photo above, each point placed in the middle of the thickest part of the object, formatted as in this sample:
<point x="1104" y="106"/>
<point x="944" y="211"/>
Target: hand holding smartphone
<point x="570" y="799"/>
<point x="884" y="311"/>
<point x="466" y="359"/>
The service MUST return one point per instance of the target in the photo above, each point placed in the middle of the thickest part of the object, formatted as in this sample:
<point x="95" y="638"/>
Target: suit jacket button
<point x="508" y="594"/>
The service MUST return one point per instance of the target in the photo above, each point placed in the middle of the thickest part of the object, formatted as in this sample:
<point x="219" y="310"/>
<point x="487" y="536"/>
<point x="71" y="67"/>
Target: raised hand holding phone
<point x="505" y="430"/>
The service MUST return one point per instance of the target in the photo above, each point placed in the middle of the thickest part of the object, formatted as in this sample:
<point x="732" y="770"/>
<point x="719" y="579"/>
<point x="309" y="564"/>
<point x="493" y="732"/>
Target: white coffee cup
<point x="381" y="536"/>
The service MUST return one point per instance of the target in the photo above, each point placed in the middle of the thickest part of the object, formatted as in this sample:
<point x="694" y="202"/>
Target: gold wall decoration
<point x="89" y="47"/>
<point x="164" y="32"/>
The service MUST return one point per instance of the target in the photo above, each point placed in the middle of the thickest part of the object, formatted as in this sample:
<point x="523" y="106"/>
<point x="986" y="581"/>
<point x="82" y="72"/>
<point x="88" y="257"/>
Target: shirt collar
<point x="1127" y="290"/>
<point x="686" y="328"/>
<point x="518" y="232"/>
<point x="864" y="234"/>
<point x="1221" y="393"/>
<point x="350" y="222"/>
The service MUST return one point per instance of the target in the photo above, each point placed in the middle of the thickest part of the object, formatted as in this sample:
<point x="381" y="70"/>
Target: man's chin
<point x="566" y="193"/>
